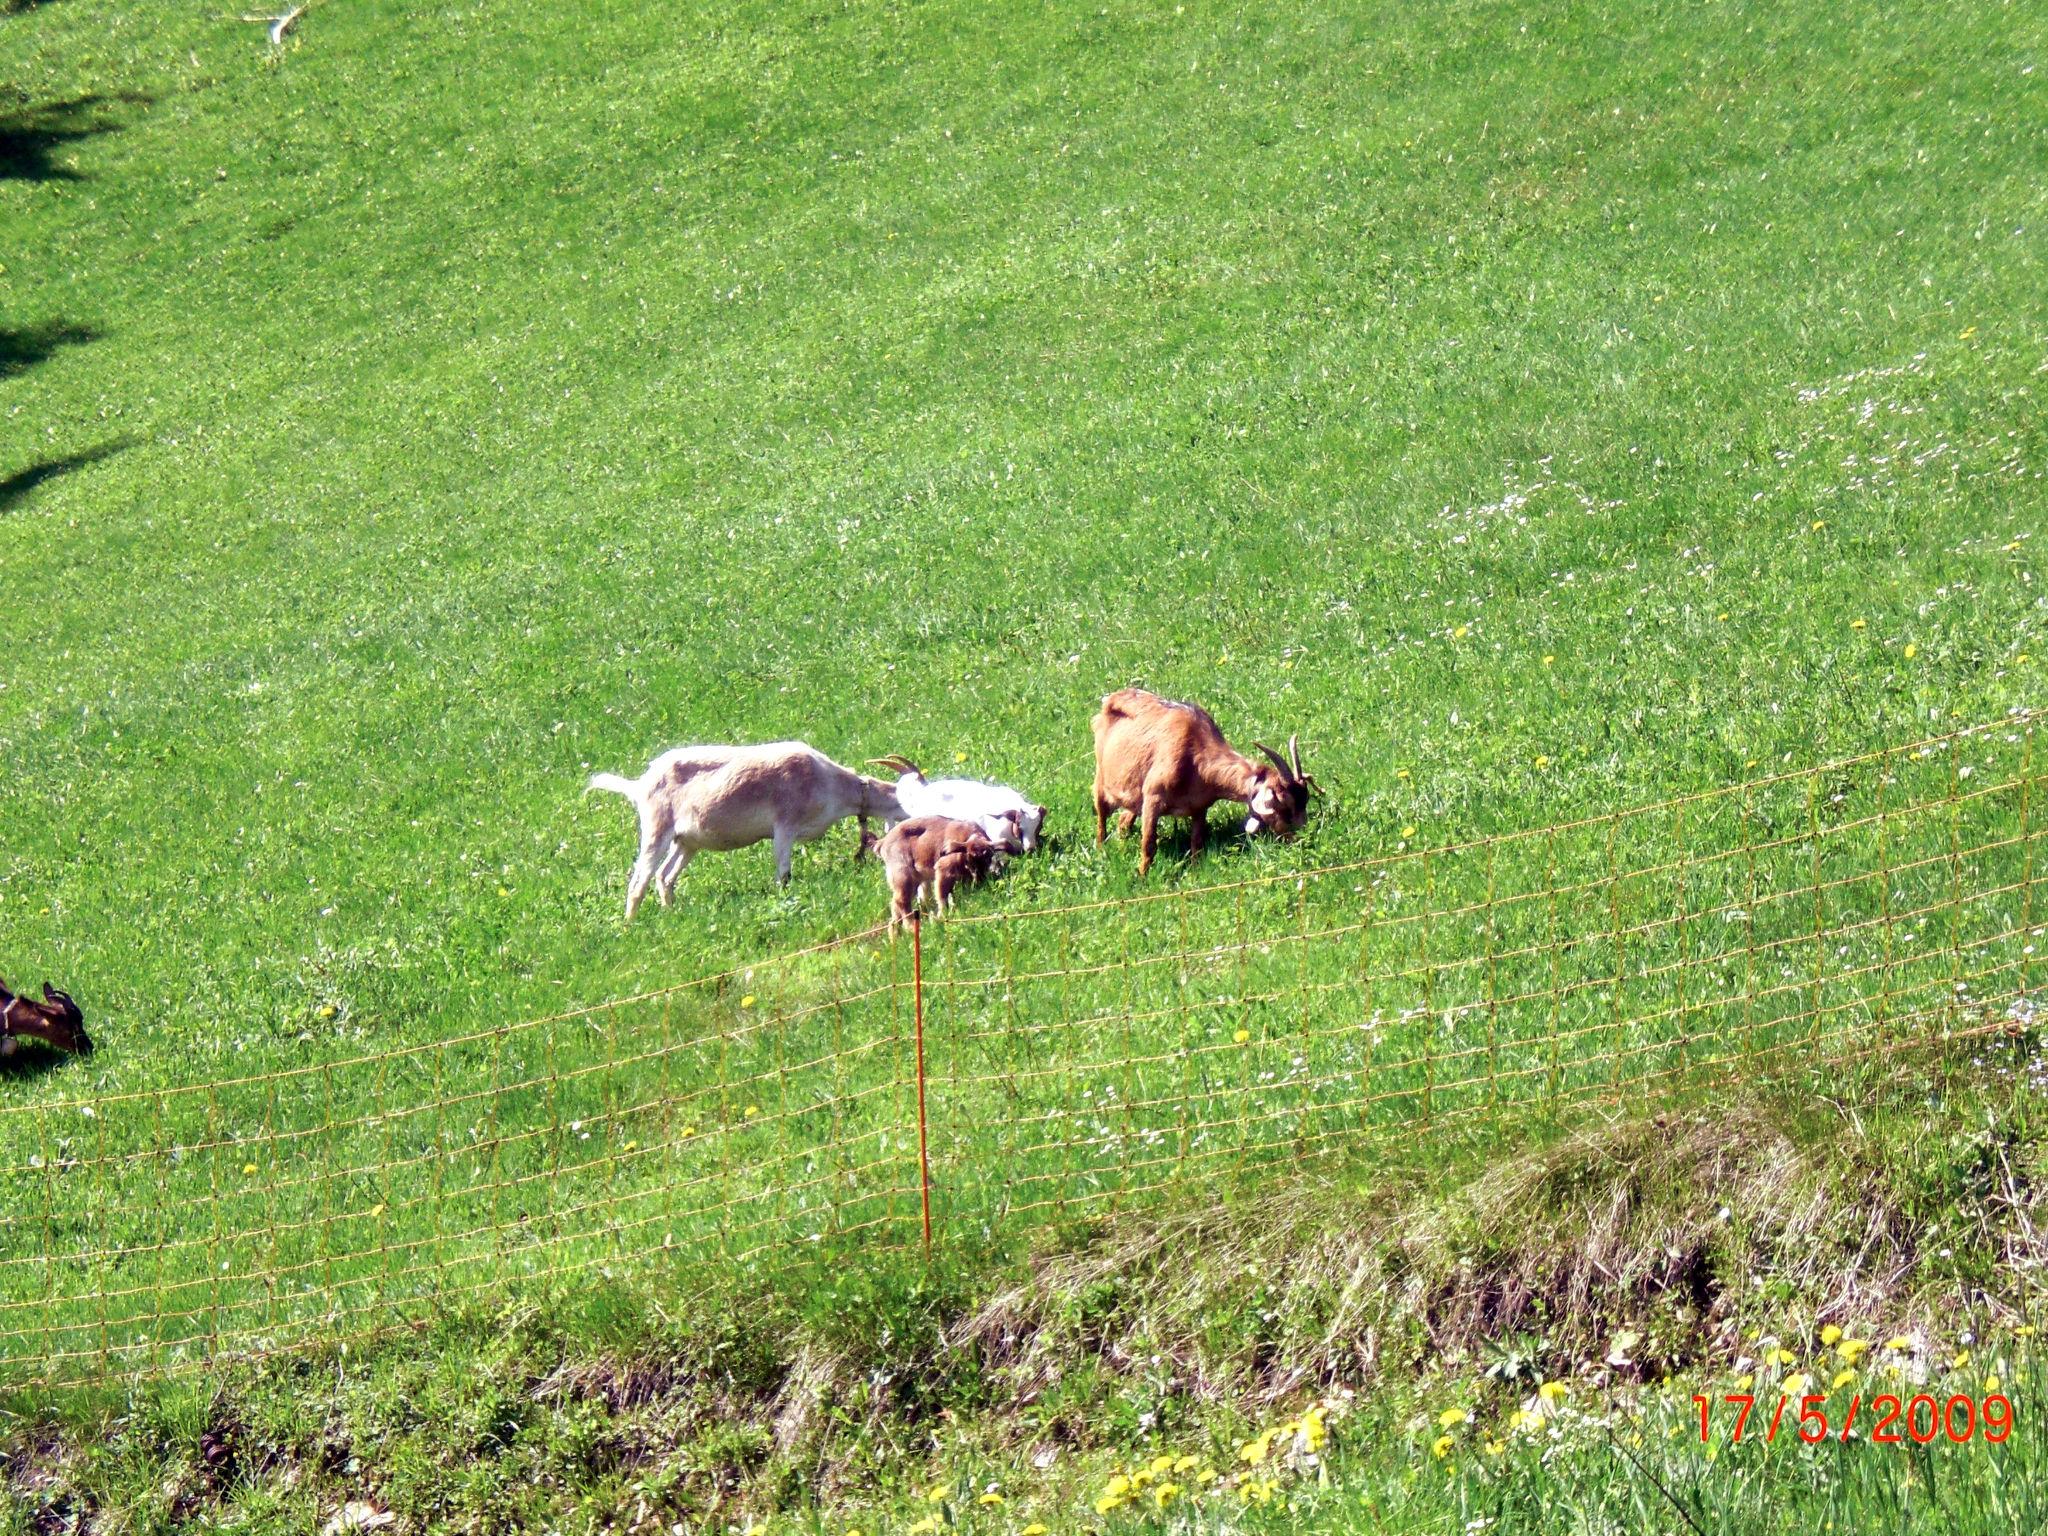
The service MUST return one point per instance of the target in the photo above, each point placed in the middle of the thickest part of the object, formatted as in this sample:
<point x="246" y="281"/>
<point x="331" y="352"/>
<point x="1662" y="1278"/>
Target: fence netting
<point x="1076" y="1059"/>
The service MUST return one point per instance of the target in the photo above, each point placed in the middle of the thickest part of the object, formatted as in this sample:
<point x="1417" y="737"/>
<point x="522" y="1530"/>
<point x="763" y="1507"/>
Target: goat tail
<point x="619" y="786"/>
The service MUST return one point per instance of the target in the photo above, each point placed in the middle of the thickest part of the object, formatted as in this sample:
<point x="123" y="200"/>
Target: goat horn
<point x="895" y="760"/>
<point x="1294" y="754"/>
<point x="1278" y="761"/>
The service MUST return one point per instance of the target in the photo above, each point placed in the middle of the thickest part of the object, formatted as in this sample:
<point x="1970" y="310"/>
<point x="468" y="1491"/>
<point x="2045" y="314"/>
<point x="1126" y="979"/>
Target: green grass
<point x="400" y="428"/>
<point x="1400" y="1286"/>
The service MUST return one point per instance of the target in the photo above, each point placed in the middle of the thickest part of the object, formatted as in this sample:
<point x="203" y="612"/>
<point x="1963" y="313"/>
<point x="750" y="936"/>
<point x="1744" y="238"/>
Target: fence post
<point x="924" y="1159"/>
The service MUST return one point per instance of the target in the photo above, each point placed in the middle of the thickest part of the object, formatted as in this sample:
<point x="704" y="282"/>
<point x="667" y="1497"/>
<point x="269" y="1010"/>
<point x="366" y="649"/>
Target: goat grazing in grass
<point x="1156" y="758"/>
<point x="965" y="800"/>
<point x="697" y="798"/>
<point x="932" y="854"/>
<point x="56" y="1020"/>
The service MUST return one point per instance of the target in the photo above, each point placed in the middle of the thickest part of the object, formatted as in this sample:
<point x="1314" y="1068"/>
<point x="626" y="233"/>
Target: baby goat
<point x="964" y="800"/>
<point x="933" y="854"/>
<point x="56" y="1020"/>
<point x="1156" y="758"/>
<point x="695" y="798"/>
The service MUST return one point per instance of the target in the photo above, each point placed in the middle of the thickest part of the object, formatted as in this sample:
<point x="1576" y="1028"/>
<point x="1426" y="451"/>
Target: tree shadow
<point x="21" y="350"/>
<point x="18" y="7"/>
<point x="32" y="136"/>
<point x="15" y="488"/>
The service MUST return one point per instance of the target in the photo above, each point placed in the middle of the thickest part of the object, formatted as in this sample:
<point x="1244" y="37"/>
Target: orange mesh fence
<point x="1074" y="1059"/>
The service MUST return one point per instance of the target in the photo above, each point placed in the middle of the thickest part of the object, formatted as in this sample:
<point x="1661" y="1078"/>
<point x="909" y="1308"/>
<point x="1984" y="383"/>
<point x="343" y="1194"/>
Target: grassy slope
<point x="492" y="399"/>
<point x="1450" y="1277"/>
<point x="503" y="398"/>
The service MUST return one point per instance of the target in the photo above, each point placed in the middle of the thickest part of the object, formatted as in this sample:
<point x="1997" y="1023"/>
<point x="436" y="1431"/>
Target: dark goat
<point x="54" y="1021"/>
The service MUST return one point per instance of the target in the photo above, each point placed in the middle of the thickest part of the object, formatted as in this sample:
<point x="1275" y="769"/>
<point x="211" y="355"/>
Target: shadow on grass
<point x="28" y="1061"/>
<point x="19" y="7"/>
<point x="15" y="488"/>
<point x="31" y="136"/>
<point x="21" y="350"/>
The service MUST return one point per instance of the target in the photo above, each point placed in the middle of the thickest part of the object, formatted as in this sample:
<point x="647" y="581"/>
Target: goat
<point x="933" y="854"/>
<point x="1154" y="758"/>
<point x="964" y="800"/>
<point x="697" y="798"/>
<point x="56" y="1021"/>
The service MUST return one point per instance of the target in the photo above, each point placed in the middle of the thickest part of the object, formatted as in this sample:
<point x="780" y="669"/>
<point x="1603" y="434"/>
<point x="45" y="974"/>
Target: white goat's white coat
<point x="696" y="798"/>
<point x="989" y="806"/>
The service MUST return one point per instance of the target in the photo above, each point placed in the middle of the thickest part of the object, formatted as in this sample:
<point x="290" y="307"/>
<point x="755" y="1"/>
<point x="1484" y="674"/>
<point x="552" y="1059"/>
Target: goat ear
<point x="1309" y="779"/>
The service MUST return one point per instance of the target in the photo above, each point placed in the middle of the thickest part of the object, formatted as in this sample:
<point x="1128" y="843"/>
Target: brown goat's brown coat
<point x="930" y="854"/>
<point x="1154" y="758"/>
<point x="56" y="1021"/>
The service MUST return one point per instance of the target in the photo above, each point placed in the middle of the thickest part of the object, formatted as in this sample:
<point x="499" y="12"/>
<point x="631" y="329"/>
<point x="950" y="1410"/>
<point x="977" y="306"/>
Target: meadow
<point x="1546" y="412"/>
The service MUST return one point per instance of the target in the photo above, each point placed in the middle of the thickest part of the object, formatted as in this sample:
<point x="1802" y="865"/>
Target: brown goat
<point x="932" y="854"/>
<point x="1156" y="758"/>
<point x="56" y="1020"/>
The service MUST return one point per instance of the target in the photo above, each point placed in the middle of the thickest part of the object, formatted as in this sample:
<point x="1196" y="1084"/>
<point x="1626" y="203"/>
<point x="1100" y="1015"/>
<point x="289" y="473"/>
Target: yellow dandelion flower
<point x="936" y="1494"/>
<point x="1962" y="1359"/>
<point x="753" y="1110"/>
<point x="1162" y="1463"/>
<point x="990" y="1499"/>
<point x="747" y="1001"/>
<point x="1407" y="831"/>
<point x="1187" y="1463"/>
<point x="1967" y="334"/>
<point x="1852" y="1350"/>
<point x="377" y="1209"/>
<point x="1858" y="624"/>
<point x="1780" y="1356"/>
<point x="1461" y="632"/>
<point x="1522" y="1418"/>
<point x="1441" y="1447"/>
<point x="1911" y="651"/>
<point x="1549" y="661"/>
<point x="1794" y="1385"/>
<point x="1403" y="773"/>
<point x="925" y="1526"/>
<point x="1744" y="1382"/>
<point x="1449" y="1417"/>
<point x="1034" y="1529"/>
<point x="1108" y="1503"/>
<point x="1241" y="1036"/>
<point x="1819" y="523"/>
<point x="2024" y="1331"/>
<point x="630" y="1146"/>
<point x="688" y="1132"/>
<point x="1118" y="1486"/>
<point x="1164" y="1494"/>
<point x="249" y="1169"/>
<point x="1494" y="1448"/>
<point x="1552" y="1391"/>
<point x="1898" y="1341"/>
<point x="2022" y="659"/>
<point x="1720" y="618"/>
<point x="959" y="757"/>
<point x="1542" y="760"/>
<point x="1842" y="1378"/>
<point x="1991" y="1385"/>
<point x="1829" y="1334"/>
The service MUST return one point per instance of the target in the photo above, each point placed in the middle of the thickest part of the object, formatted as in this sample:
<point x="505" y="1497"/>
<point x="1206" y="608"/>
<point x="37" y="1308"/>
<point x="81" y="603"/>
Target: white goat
<point x="695" y="798"/>
<point x="990" y="806"/>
